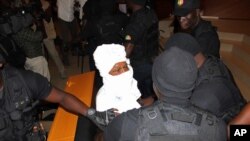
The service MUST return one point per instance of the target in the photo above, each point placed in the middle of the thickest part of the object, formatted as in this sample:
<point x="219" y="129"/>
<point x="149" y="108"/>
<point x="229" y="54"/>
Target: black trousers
<point x="85" y="130"/>
<point x="143" y="75"/>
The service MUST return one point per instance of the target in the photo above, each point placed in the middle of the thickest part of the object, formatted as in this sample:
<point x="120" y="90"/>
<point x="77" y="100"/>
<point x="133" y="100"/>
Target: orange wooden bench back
<point x="63" y="127"/>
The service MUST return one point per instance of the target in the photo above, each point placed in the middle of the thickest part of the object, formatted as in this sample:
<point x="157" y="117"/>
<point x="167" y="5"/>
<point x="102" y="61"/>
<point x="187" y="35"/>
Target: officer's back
<point x="173" y="117"/>
<point x="141" y="44"/>
<point x="109" y="25"/>
<point x="215" y="89"/>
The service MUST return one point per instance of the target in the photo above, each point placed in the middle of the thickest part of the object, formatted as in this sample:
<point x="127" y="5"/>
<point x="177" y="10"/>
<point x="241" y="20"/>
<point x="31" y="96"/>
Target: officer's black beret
<point x="185" y="42"/>
<point x="174" y="73"/>
<point x="183" y="7"/>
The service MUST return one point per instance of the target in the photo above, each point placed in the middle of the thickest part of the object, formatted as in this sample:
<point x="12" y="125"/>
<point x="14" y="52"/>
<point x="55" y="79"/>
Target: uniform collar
<point x="176" y="101"/>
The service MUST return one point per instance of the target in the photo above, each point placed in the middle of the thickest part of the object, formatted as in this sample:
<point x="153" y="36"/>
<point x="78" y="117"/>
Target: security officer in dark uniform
<point x="89" y="31"/>
<point x="104" y="24"/>
<point x="141" y="43"/>
<point x="215" y="89"/>
<point x="188" y="15"/>
<point x="97" y="14"/>
<point x="172" y="117"/>
<point x="20" y="91"/>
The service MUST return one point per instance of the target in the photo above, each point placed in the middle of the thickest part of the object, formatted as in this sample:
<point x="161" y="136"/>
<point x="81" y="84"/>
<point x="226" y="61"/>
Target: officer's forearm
<point x="243" y="117"/>
<point x="72" y="104"/>
<point x="67" y="101"/>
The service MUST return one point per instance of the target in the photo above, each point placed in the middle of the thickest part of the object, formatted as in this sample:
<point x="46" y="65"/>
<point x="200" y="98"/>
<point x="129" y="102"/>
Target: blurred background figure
<point x="51" y="36"/>
<point x="69" y="27"/>
<point x="103" y="25"/>
<point x="30" y="40"/>
<point x="140" y="38"/>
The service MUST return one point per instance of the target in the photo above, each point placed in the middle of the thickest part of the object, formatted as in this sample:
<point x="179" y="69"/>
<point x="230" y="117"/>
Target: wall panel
<point x="227" y="9"/>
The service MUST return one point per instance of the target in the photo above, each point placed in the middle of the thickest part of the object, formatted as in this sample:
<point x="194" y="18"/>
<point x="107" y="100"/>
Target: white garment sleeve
<point x="102" y="100"/>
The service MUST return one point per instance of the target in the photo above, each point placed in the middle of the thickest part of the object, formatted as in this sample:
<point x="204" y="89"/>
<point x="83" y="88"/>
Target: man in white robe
<point x="119" y="88"/>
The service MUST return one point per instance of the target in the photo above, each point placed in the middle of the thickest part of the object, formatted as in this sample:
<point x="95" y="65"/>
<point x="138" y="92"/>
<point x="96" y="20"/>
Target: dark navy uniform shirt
<point x="125" y="126"/>
<point x="207" y="37"/>
<point x="142" y="31"/>
<point x="216" y="90"/>
<point x="38" y="85"/>
<point x="143" y="24"/>
<point x="21" y="89"/>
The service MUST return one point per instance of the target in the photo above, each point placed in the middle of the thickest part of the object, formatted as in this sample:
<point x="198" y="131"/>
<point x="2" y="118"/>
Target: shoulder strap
<point x="150" y="123"/>
<point x="154" y="116"/>
<point x="160" y="122"/>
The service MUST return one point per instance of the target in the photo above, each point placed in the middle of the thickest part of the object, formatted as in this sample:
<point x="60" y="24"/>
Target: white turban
<point x="119" y="91"/>
<point x="107" y="55"/>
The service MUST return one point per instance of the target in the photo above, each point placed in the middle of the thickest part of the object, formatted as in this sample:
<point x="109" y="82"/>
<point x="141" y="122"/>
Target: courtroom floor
<point x="73" y="69"/>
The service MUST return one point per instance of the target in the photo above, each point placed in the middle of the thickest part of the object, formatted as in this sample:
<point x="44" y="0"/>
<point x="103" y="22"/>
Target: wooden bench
<point x="63" y="127"/>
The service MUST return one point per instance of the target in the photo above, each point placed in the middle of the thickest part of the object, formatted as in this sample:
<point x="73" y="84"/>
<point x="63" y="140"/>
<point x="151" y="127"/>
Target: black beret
<point x="185" y="42"/>
<point x="183" y="7"/>
<point x="174" y="73"/>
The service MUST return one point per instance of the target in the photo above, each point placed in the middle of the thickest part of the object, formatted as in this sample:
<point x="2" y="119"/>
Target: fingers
<point x="115" y="111"/>
<point x="116" y="114"/>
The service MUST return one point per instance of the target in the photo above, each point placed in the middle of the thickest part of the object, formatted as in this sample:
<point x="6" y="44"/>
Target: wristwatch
<point x="91" y="111"/>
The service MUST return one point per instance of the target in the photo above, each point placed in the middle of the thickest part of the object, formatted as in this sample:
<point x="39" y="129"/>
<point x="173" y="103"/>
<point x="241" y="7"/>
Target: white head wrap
<point x="119" y="91"/>
<point x="107" y="55"/>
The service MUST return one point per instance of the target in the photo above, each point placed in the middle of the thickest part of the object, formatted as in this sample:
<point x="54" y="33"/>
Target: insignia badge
<point x="180" y="2"/>
<point x="128" y="37"/>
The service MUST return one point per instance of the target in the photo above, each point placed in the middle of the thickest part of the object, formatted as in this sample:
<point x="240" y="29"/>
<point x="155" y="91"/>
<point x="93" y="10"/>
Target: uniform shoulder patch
<point x="128" y="37"/>
<point x="180" y="2"/>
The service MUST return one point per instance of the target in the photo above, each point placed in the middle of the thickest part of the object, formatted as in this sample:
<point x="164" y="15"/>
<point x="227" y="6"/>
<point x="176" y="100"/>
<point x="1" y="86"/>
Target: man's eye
<point x="116" y="69"/>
